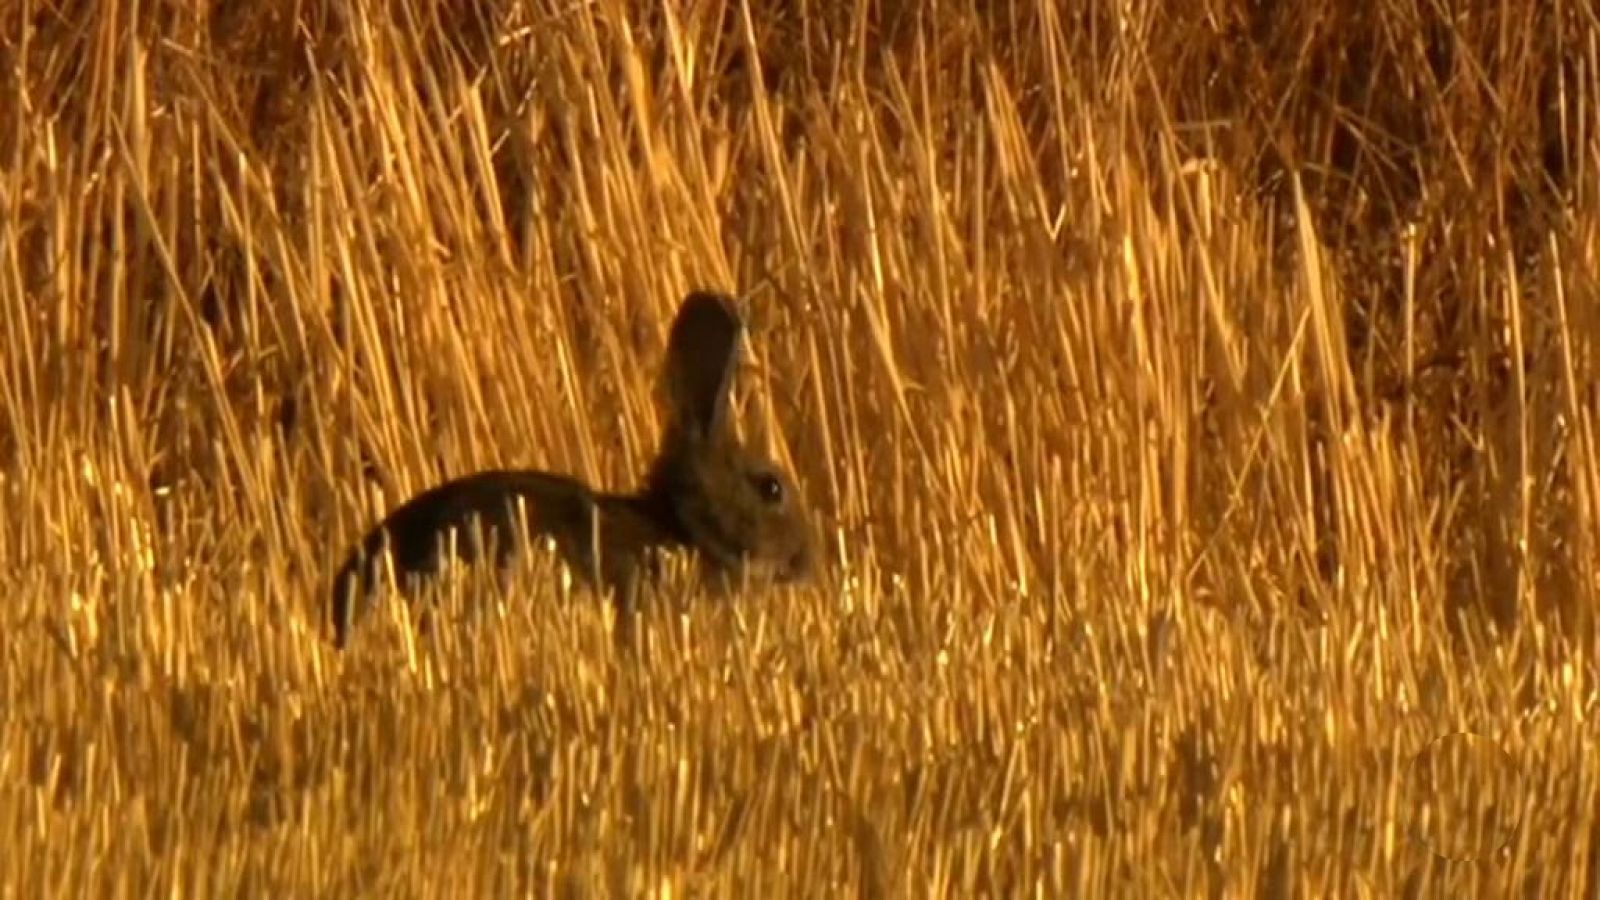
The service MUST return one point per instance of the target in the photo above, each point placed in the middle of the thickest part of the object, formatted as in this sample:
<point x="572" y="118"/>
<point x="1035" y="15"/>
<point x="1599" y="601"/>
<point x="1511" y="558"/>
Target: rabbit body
<point x="706" y="492"/>
<point x="495" y="513"/>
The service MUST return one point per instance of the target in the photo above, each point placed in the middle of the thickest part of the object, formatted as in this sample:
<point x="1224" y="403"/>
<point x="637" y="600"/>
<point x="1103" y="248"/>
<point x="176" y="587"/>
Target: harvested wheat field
<point x="1195" y="406"/>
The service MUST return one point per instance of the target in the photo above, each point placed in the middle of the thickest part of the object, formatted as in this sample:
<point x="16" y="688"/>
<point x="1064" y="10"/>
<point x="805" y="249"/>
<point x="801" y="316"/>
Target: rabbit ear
<point x="702" y="354"/>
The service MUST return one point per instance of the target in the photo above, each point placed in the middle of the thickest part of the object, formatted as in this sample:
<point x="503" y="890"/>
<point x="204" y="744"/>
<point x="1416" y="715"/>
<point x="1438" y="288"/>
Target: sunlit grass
<point x="1197" y="407"/>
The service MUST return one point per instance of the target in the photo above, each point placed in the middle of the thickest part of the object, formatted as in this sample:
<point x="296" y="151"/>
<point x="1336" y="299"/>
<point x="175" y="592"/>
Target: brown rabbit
<point x="706" y="492"/>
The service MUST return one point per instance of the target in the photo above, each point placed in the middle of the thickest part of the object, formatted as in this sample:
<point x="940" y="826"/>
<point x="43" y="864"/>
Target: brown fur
<point x="706" y="492"/>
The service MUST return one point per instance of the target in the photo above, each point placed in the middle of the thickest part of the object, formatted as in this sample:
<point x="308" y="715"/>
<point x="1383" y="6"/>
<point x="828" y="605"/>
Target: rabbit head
<point x="737" y="508"/>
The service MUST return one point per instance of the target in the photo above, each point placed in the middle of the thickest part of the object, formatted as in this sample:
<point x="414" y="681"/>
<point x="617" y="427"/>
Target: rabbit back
<point x="602" y="536"/>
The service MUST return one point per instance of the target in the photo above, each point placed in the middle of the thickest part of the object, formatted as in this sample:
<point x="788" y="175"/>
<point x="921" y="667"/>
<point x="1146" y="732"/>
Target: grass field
<point x="1197" y="402"/>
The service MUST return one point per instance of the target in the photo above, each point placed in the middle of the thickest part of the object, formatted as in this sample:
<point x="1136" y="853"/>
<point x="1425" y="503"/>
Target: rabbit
<point x="706" y="493"/>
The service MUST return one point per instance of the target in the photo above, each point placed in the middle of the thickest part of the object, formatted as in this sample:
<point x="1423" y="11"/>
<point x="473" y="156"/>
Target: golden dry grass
<point x="1198" y="400"/>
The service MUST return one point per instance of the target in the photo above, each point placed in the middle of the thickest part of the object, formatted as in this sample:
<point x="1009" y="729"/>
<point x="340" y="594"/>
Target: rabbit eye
<point x="769" y="488"/>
